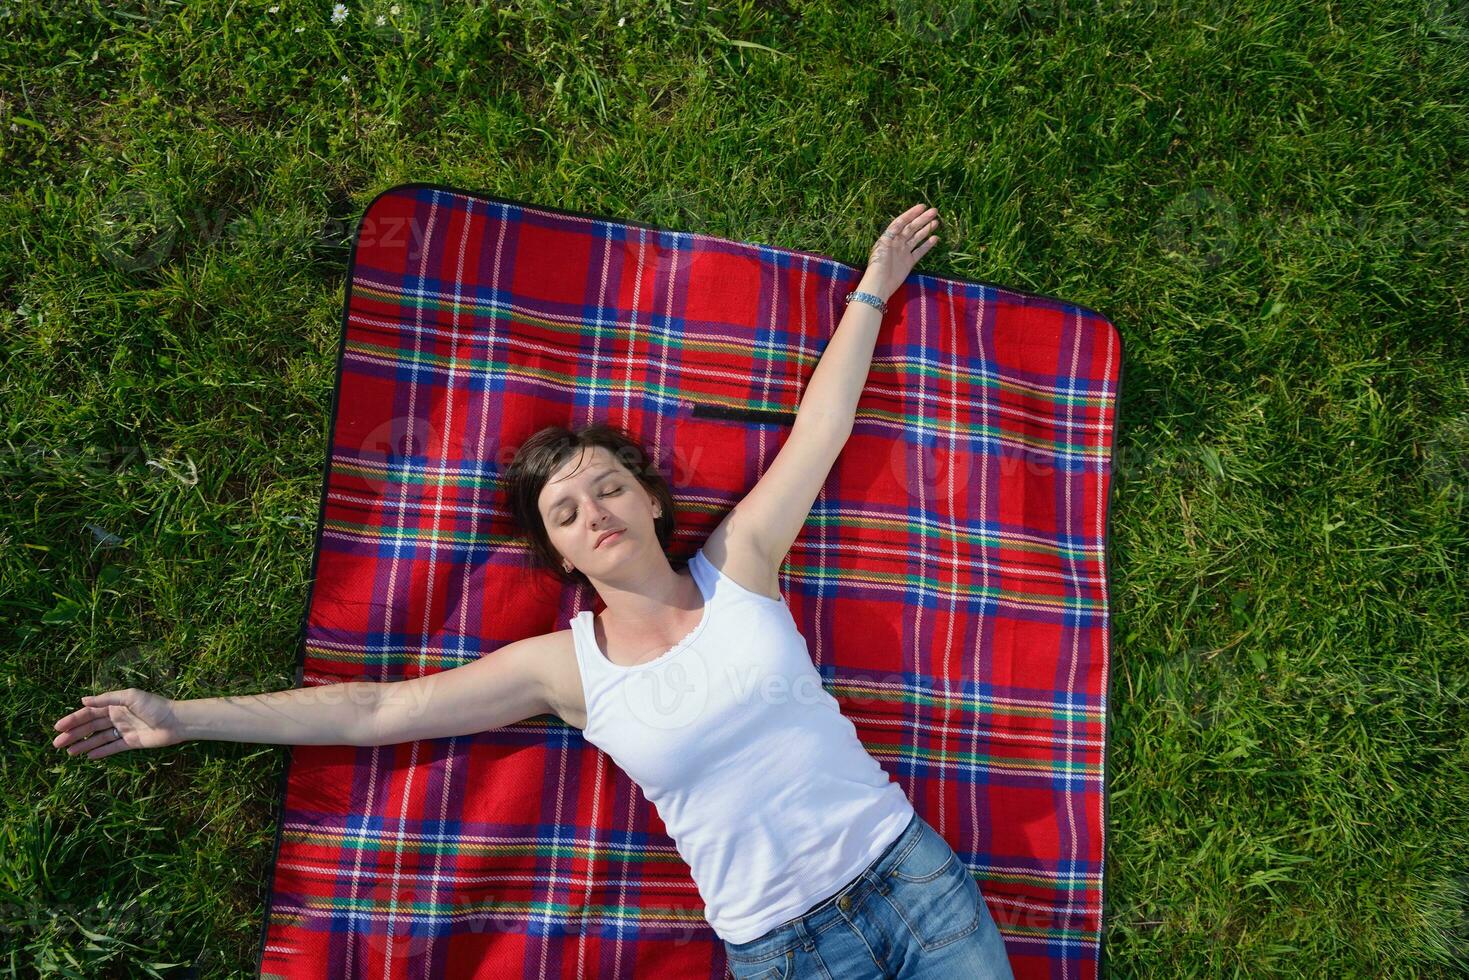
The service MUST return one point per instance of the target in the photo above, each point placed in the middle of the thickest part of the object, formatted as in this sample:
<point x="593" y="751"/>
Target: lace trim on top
<point x="591" y="632"/>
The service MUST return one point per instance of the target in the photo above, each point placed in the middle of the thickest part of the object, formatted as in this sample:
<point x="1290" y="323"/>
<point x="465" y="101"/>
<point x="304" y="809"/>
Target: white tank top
<point x="762" y="783"/>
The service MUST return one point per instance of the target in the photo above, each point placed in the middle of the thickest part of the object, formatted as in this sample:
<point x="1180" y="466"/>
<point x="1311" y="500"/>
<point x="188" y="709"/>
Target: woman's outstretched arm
<point x="328" y="714"/>
<point x="772" y="514"/>
<point x="507" y="686"/>
<point x="836" y="385"/>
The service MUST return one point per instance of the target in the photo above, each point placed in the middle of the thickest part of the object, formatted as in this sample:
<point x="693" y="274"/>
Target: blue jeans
<point x="914" y="912"/>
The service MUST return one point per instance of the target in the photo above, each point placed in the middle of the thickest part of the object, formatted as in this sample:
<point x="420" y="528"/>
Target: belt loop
<point x="806" y="942"/>
<point x="876" y="881"/>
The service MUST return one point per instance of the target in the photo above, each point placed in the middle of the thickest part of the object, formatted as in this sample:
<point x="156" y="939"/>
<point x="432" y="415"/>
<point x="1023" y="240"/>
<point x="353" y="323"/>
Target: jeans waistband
<point x="799" y="932"/>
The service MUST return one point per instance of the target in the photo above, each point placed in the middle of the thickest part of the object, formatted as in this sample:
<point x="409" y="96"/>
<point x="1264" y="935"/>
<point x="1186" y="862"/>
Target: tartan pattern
<point x="951" y="582"/>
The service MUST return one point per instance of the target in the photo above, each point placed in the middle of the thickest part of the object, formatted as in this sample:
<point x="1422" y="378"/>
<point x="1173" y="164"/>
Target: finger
<point x="74" y="730"/>
<point x="901" y="221"/>
<point x="906" y="219"/>
<point x="81" y="745"/>
<point x="915" y="226"/>
<point x="75" y="718"/>
<point x="83" y="732"/>
<point x="111" y="748"/>
<point x="94" y="744"/>
<point x="928" y="227"/>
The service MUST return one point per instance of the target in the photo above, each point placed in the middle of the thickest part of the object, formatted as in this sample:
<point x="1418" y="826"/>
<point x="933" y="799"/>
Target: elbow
<point x="835" y="428"/>
<point x="393" y="712"/>
<point x="366" y="729"/>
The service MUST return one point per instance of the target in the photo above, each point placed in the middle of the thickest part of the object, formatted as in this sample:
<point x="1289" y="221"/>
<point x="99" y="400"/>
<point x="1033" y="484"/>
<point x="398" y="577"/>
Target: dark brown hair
<point x="538" y="459"/>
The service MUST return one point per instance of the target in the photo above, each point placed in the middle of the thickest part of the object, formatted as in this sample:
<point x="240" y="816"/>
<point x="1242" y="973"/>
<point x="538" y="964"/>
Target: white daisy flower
<point x="273" y="10"/>
<point x="344" y="79"/>
<point x="393" y="10"/>
<point x="381" y="20"/>
<point x="339" y="13"/>
<point x="300" y="29"/>
<point x="621" y="21"/>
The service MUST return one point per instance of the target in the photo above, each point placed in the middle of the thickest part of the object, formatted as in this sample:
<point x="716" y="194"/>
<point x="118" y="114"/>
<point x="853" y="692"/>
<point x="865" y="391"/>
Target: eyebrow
<point x="594" y="479"/>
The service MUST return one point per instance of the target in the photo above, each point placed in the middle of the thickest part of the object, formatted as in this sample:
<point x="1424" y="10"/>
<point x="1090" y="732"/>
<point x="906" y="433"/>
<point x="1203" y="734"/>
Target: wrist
<point x="870" y="283"/>
<point x="186" y="720"/>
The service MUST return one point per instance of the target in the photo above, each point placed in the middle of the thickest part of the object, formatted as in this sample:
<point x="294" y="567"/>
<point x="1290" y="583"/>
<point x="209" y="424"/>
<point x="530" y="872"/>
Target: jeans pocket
<point x="933" y="892"/>
<point x="776" y="966"/>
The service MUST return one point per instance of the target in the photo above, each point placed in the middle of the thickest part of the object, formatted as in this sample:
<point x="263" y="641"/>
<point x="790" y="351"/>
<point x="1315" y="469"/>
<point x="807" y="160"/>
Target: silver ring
<point x="115" y="732"/>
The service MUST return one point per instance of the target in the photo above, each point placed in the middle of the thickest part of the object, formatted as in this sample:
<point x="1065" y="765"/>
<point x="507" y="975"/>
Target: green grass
<point x="1268" y="200"/>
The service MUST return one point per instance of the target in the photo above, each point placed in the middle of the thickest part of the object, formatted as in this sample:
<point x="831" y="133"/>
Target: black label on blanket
<point x="763" y="416"/>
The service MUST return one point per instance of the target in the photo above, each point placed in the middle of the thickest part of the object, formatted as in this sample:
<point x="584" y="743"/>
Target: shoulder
<point x="560" y="676"/>
<point x="737" y="557"/>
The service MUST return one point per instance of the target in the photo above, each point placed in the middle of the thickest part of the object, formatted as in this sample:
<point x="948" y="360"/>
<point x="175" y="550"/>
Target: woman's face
<point x="588" y="496"/>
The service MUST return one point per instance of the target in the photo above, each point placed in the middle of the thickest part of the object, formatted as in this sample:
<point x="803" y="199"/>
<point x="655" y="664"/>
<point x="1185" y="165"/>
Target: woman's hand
<point x="898" y="250"/>
<point x="143" y="721"/>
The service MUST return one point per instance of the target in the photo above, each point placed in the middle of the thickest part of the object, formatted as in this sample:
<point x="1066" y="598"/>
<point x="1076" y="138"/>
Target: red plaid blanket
<point x="951" y="582"/>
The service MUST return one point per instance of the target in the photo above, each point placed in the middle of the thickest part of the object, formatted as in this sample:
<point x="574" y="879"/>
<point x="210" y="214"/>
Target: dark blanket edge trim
<point x="1110" y="579"/>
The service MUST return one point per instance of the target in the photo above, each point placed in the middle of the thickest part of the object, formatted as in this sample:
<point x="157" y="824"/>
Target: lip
<point x="609" y="536"/>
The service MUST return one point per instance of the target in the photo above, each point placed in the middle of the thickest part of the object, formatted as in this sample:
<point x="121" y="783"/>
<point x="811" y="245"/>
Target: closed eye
<point x="609" y="493"/>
